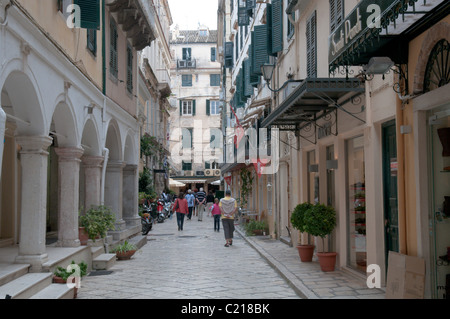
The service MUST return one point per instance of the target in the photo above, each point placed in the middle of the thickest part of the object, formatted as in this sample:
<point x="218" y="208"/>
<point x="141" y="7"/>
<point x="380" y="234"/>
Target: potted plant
<point x="97" y="221"/>
<point x="255" y="227"/>
<point x="320" y="221"/>
<point x="61" y="275"/>
<point x="298" y="222"/>
<point x="124" y="251"/>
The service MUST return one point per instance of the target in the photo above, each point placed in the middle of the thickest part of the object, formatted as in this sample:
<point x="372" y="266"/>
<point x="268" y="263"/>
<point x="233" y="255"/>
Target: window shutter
<point x="336" y="13"/>
<point x="259" y="41"/>
<point x="213" y="54"/>
<point x="193" y="107"/>
<point x="181" y="107"/>
<point x="248" y="88"/>
<point x="311" y="46"/>
<point x="243" y="17"/>
<point x="92" y="41"/>
<point x="129" y="69"/>
<point x="89" y="13"/>
<point x="208" y="107"/>
<point x="113" y="49"/>
<point x="229" y="54"/>
<point x="277" y="26"/>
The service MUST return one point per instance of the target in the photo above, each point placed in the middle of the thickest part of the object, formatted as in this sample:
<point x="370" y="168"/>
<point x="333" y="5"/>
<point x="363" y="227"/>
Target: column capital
<point x="34" y="144"/>
<point x="69" y="154"/>
<point x="130" y="167"/>
<point x="115" y="165"/>
<point x="92" y="161"/>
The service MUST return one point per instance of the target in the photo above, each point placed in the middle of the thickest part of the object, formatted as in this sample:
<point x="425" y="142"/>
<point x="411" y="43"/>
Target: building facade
<point x="356" y="93"/>
<point x="69" y="110"/>
<point x="195" y="137"/>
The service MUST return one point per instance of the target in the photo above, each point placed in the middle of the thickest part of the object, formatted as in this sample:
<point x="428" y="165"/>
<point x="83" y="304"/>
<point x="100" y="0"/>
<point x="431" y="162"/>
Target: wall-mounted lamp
<point x="378" y="65"/>
<point x="267" y="72"/>
<point x="313" y="168"/>
<point x="332" y="164"/>
<point x="269" y="186"/>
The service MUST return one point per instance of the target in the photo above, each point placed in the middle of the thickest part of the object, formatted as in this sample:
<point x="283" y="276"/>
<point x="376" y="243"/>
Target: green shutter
<point x="311" y="46"/>
<point x="193" y="107"/>
<point x="113" y="64"/>
<point x="89" y="13"/>
<point x="181" y="107"/>
<point x="208" y="107"/>
<point x="248" y="88"/>
<point x="277" y="26"/>
<point x="259" y="41"/>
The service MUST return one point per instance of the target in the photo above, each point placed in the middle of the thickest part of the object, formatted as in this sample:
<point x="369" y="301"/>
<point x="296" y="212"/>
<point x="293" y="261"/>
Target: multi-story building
<point x="154" y="106"/>
<point x="68" y="79"/>
<point x="358" y="98"/>
<point x="196" y="139"/>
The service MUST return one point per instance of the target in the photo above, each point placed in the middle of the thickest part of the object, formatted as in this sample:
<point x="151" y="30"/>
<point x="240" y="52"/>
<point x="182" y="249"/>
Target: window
<point x="214" y="107"/>
<point x="213" y="55"/>
<point x="311" y="46"/>
<point x="187" y="56"/>
<point x="129" y="69"/>
<point x="214" y="79"/>
<point x="113" y="65"/>
<point x="187" y="107"/>
<point x="62" y="7"/>
<point x="186" y="166"/>
<point x="290" y="25"/>
<point x="186" y="141"/>
<point x="92" y="41"/>
<point x="186" y="80"/>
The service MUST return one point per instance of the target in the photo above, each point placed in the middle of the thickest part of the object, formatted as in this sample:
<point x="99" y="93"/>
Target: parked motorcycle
<point x="168" y="209"/>
<point x="146" y="220"/>
<point x="160" y="211"/>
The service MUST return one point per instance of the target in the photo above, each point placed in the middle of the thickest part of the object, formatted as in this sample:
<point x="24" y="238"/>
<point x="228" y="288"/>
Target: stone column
<point x="114" y="189"/>
<point x="130" y="195"/>
<point x="92" y="166"/>
<point x="34" y="162"/>
<point x="68" y="195"/>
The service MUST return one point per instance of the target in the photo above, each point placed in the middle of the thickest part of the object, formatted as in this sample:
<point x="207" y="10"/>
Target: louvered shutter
<point x="89" y="13"/>
<point x="277" y="26"/>
<point x="181" y="107"/>
<point x="254" y="78"/>
<point x="229" y="54"/>
<point x="193" y="107"/>
<point x="113" y="49"/>
<point x="311" y="46"/>
<point x="336" y="13"/>
<point x="248" y="88"/>
<point x="129" y="69"/>
<point x="208" y="107"/>
<point x="259" y="41"/>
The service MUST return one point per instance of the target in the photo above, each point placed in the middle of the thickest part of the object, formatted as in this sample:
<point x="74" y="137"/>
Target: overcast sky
<point x="189" y="13"/>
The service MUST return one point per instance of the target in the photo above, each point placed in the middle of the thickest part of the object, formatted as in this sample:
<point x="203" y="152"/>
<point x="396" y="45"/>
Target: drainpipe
<point x="402" y="218"/>
<point x="105" y="163"/>
<point x="2" y="136"/>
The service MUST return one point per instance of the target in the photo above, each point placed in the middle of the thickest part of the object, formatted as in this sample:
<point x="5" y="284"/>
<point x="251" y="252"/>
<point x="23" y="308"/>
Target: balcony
<point x="186" y="64"/>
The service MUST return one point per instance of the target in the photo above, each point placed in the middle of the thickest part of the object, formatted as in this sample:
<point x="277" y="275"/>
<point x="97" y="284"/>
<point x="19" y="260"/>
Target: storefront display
<point x="356" y="205"/>
<point x="439" y="131"/>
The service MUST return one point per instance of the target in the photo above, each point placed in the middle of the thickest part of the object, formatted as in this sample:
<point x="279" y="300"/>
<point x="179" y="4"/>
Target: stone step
<point x="9" y="272"/>
<point x="55" y="291"/>
<point x="26" y="286"/>
<point x="104" y="261"/>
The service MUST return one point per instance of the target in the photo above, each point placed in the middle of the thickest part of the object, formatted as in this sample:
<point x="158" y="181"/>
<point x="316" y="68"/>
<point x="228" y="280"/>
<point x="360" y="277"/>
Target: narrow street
<point x="191" y="264"/>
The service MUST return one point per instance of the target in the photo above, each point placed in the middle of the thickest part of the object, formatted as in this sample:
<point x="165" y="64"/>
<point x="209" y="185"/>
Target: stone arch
<point x="113" y="141"/>
<point x="130" y="152"/>
<point x="90" y="139"/>
<point x="436" y="33"/>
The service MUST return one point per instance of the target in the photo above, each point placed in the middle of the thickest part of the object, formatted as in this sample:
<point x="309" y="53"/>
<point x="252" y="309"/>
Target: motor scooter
<point x="168" y="209"/>
<point x="160" y="211"/>
<point x="146" y="220"/>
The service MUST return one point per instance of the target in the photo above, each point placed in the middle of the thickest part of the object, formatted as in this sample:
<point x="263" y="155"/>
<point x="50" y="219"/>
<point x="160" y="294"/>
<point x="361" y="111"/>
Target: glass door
<point x="439" y="152"/>
<point x="356" y="204"/>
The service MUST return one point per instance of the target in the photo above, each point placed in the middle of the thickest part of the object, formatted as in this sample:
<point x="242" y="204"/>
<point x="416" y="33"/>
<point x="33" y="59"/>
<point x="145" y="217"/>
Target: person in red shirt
<point x="215" y="212"/>
<point x="181" y="208"/>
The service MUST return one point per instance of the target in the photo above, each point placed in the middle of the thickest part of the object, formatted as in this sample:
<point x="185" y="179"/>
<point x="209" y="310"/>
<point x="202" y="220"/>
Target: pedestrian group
<point x="186" y="205"/>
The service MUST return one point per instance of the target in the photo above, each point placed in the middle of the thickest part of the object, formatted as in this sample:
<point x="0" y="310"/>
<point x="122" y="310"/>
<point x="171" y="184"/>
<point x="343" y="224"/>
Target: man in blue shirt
<point x="190" y="200"/>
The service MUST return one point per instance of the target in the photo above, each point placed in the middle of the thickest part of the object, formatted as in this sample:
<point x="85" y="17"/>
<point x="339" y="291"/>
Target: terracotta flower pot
<point x="83" y="236"/>
<point x="327" y="261"/>
<point x="305" y="252"/>
<point x="59" y="280"/>
<point x="125" y="255"/>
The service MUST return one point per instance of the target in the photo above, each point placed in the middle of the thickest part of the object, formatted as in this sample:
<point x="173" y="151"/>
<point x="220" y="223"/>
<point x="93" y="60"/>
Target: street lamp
<point x="267" y="72"/>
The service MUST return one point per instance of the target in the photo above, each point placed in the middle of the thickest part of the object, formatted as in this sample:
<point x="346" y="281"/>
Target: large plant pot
<point x="83" y="236"/>
<point x="327" y="261"/>
<point x="305" y="252"/>
<point x="125" y="255"/>
<point x="59" y="280"/>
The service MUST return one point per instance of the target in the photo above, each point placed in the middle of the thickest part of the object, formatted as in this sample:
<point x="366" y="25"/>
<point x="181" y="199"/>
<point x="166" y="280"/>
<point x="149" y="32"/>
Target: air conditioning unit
<point x="188" y="173"/>
<point x="209" y="172"/>
<point x="190" y="64"/>
<point x="217" y="172"/>
<point x="181" y="63"/>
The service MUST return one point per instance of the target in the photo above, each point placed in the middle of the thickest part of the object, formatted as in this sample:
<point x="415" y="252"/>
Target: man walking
<point x="228" y="207"/>
<point x="201" y="200"/>
<point x="190" y="200"/>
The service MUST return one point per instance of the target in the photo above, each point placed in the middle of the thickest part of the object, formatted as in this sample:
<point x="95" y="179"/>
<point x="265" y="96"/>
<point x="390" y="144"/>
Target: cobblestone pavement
<point x="190" y="264"/>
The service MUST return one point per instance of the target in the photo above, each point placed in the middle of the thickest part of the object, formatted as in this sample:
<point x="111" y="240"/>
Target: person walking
<point x="190" y="200"/>
<point x="181" y="208"/>
<point x="228" y="207"/>
<point x="201" y="200"/>
<point x="209" y="202"/>
<point x="215" y="212"/>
